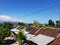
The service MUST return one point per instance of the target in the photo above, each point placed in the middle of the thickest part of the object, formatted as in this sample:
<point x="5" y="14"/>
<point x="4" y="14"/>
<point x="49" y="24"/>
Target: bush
<point x="20" y="36"/>
<point x="4" y="32"/>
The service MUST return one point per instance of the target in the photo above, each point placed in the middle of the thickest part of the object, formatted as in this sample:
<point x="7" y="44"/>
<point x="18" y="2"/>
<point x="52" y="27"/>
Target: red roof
<point x="53" y="32"/>
<point x="49" y="32"/>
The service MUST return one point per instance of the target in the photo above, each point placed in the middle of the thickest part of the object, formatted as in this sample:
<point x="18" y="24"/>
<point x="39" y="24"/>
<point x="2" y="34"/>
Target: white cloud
<point x="8" y="18"/>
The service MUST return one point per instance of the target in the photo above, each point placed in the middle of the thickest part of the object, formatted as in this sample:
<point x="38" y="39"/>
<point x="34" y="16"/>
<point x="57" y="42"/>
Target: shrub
<point x="20" y="36"/>
<point x="4" y="32"/>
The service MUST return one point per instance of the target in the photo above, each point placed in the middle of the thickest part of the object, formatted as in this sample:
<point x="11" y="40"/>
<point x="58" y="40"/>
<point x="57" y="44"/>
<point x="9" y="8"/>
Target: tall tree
<point x="51" y="23"/>
<point x="36" y="23"/>
<point x="22" y="24"/>
<point x="58" y="23"/>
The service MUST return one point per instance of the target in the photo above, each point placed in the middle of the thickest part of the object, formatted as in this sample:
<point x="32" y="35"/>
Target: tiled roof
<point x="34" y="30"/>
<point x="53" y="32"/>
<point x="29" y="29"/>
<point x="49" y="32"/>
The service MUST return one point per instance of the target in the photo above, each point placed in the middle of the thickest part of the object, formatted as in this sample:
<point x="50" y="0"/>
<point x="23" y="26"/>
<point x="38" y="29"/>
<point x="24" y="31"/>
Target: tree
<point x="1" y="40"/>
<point x="7" y="25"/>
<point x="36" y="23"/>
<point x="30" y="24"/>
<point x="20" y="36"/>
<point x="58" y="23"/>
<point x="21" y="23"/>
<point x="51" y="23"/>
<point x="0" y="24"/>
<point x="4" y="32"/>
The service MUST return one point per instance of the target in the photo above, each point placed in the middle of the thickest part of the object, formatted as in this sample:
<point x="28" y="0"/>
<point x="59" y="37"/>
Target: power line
<point x="43" y="10"/>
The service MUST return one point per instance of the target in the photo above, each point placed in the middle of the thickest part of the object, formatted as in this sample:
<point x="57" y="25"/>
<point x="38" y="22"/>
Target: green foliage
<point x="36" y="23"/>
<point x="7" y="25"/>
<point x="51" y="23"/>
<point x="22" y="24"/>
<point x="0" y="24"/>
<point x="4" y="32"/>
<point x="1" y="40"/>
<point x="30" y="24"/>
<point x="58" y="23"/>
<point x="20" y="36"/>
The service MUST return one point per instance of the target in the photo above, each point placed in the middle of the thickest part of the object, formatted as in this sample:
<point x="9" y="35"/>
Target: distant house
<point x="16" y="29"/>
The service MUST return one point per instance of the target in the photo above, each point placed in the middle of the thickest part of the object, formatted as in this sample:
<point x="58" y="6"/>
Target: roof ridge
<point x="58" y="35"/>
<point x="37" y="30"/>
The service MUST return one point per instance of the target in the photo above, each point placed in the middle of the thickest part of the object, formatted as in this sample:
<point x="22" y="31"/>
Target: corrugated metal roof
<point x="14" y="29"/>
<point x="25" y="32"/>
<point x="41" y="39"/>
<point x="52" y="32"/>
<point x="29" y="36"/>
<point x="49" y="32"/>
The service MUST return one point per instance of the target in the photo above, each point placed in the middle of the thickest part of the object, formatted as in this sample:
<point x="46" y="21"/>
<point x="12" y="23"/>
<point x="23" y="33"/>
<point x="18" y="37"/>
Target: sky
<point x="29" y="10"/>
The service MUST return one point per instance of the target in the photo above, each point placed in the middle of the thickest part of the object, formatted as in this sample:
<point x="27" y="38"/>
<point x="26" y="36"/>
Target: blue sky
<point x="29" y="10"/>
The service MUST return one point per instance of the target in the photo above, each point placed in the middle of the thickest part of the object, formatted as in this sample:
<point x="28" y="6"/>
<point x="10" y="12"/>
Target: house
<point x="43" y="36"/>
